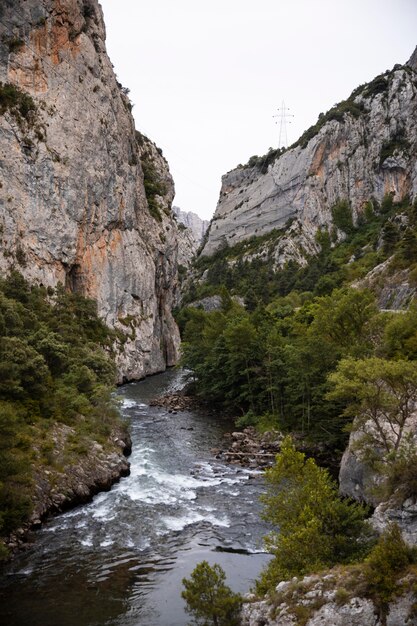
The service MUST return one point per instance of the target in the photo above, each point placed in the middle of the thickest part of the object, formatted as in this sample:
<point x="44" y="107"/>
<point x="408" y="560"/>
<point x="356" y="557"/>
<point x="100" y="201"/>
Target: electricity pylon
<point x="283" y="116"/>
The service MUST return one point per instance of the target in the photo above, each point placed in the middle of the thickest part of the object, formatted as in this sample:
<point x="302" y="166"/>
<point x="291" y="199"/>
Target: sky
<point x="207" y="77"/>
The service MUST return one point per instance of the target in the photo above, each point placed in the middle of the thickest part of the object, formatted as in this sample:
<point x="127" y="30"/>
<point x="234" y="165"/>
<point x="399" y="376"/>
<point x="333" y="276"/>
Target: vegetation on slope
<point x="271" y="360"/>
<point x="54" y="367"/>
<point x="355" y="105"/>
<point x="247" y="269"/>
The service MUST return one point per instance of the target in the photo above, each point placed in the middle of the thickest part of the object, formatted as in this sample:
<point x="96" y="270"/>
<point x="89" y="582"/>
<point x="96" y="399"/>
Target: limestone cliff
<point x="83" y="199"/>
<point x="363" y="148"/>
<point x="193" y="222"/>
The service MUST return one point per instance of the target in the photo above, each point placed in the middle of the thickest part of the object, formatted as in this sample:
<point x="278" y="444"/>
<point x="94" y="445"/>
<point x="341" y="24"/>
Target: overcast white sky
<point x="206" y="77"/>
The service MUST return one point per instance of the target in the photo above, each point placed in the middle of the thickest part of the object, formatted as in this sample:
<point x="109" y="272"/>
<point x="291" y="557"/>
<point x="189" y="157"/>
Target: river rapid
<point x="120" y="559"/>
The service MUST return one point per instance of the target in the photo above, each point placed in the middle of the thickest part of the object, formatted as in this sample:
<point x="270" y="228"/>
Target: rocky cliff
<point x="84" y="199"/>
<point x="363" y="148"/>
<point x="193" y="222"/>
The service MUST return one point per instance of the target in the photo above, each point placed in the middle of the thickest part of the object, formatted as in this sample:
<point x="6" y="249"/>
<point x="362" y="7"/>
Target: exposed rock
<point x="193" y="222"/>
<point x="174" y="402"/>
<point x="74" y="478"/>
<point x="357" y="480"/>
<point x="357" y="155"/>
<point x="210" y="303"/>
<point x="316" y="599"/>
<point x="73" y="204"/>
<point x="405" y="515"/>
<point x="394" y="290"/>
<point x="253" y="449"/>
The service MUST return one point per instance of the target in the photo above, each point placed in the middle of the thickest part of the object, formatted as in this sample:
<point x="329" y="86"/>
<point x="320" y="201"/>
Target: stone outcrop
<point x="360" y="481"/>
<point x="394" y="289"/>
<point x="84" y="200"/>
<point x="253" y="449"/>
<point x="324" y="601"/>
<point x="73" y="477"/>
<point x="361" y="149"/>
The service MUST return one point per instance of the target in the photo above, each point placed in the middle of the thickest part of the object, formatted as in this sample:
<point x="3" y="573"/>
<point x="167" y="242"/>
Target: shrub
<point x="316" y="529"/>
<point x="385" y="565"/>
<point x="208" y="599"/>
<point x="342" y="216"/>
<point x="16" y="101"/>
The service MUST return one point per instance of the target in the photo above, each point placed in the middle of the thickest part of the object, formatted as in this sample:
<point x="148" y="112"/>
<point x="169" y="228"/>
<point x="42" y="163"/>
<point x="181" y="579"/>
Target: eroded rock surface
<point x="364" y="153"/>
<point x="323" y="601"/>
<point x="77" y="204"/>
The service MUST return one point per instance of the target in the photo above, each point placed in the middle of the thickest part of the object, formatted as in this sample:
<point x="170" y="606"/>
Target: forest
<point x="55" y="366"/>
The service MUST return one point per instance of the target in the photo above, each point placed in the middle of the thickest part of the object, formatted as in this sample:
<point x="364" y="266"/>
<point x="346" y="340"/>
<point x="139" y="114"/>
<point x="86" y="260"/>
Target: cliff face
<point x="193" y="222"/>
<point x="363" y="148"/>
<point x="77" y="204"/>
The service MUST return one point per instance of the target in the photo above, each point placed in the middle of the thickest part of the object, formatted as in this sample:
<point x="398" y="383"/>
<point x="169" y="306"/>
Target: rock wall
<point x="365" y="149"/>
<point x="73" y="203"/>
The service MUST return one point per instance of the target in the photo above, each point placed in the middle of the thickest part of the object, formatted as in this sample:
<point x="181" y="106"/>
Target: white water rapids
<point x="119" y="560"/>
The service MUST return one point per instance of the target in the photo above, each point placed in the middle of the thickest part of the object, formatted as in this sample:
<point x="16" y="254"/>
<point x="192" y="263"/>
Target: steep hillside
<point x="84" y="200"/>
<point x="363" y="148"/>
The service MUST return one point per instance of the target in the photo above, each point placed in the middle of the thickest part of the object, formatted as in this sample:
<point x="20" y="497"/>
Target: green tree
<point x="209" y="600"/>
<point x="385" y="566"/>
<point x="315" y="528"/>
<point x="381" y="395"/>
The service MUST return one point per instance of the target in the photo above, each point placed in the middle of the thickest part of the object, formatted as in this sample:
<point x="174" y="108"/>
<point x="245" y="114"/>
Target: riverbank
<point x="120" y="558"/>
<point x="72" y="477"/>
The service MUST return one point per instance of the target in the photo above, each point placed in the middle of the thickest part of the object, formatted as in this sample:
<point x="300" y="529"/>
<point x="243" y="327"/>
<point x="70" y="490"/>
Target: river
<point x="119" y="560"/>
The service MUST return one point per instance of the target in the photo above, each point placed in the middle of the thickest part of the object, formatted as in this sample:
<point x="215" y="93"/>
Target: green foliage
<point x="337" y="112"/>
<point x="397" y="143"/>
<point x="275" y="360"/>
<point x="14" y="44"/>
<point x="54" y="366"/>
<point x="385" y="566"/>
<point x="400" y="336"/>
<point x="154" y="185"/>
<point x="378" y="85"/>
<point x="209" y="599"/>
<point x="342" y="216"/>
<point x="262" y="163"/>
<point x="315" y="528"/>
<point x="379" y="392"/>
<point x="16" y="101"/>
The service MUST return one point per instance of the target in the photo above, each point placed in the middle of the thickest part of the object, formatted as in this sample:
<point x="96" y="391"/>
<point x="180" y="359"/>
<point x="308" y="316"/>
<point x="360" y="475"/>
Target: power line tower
<point x="283" y="116"/>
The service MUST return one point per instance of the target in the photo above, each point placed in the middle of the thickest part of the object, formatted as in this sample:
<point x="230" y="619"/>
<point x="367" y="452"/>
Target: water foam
<point x="179" y="523"/>
<point x="128" y="403"/>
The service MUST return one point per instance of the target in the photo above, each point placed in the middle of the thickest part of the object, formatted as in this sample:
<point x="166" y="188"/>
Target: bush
<point x="17" y="102"/>
<point x="342" y="216"/>
<point x="385" y="566"/>
<point x="208" y="599"/>
<point x="316" y="529"/>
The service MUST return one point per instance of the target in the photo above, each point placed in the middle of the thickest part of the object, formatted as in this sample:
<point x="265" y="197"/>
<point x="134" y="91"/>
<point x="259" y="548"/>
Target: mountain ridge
<point x="361" y="149"/>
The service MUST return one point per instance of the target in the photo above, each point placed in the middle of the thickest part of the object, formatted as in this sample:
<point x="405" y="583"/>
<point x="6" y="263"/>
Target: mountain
<point x="85" y="200"/>
<point x="193" y="222"/>
<point x="361" y="150"/>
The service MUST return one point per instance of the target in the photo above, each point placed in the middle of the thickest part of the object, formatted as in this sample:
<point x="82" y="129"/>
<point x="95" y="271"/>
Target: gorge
<point x="300" y="288"/>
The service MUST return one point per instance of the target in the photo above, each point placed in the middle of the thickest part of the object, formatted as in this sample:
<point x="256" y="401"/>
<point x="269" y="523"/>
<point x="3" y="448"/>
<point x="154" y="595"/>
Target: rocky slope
<point x="363" y="148"/>
<point x="84" y="200"/>
<point x="329" y="600"/>
<point x="73" y="477"/>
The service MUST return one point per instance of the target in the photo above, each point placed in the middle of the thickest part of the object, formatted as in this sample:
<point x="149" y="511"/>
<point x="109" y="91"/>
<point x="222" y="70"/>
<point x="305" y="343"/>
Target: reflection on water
<point x="120" y="559"/>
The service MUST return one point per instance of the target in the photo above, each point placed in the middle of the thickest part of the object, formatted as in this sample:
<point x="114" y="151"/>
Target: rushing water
<point x="120" y="559"/>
